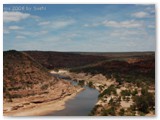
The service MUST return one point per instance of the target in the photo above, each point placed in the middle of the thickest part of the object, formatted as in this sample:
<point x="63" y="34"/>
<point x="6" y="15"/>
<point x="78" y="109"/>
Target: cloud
<point x="20" y="37"/>
<point x="34" y="33"/>
<point x="44" y="23"/>
<point x="122" y="24"/>
<point x="140" y="14"/>
<point x="5" y="31"/>
<point x="42" y="32"/>
<point x="127" y="33"/>
<point x="62" y="23"/>
<point x="14" y="28"/>
<point x="92" y="25"/>
<point x="151" y="26"/>
<point x="14" y="16"/>
<point x="86" y="25"/>
<point x="116" y="24"/>
<point x="57" y="24"/>
<point x="150" y="9"/>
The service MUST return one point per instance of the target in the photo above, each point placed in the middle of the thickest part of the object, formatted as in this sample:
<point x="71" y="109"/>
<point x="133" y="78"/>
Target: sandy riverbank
<point x="43" y="108"/>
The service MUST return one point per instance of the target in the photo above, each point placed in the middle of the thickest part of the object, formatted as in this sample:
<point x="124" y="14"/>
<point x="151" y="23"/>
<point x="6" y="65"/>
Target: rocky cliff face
<point x="24" y="77"/>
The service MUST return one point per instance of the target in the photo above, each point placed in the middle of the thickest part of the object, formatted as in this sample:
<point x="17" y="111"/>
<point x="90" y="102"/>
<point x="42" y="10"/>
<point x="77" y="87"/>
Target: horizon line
<point x="78" y="51"/>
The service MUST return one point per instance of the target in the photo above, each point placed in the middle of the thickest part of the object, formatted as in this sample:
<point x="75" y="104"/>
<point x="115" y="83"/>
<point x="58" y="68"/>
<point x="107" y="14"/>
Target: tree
<point x="110" y="111"/>
<point x="90" y="84"/>
<point x="125" y="92"/>
<point x="135" y="92"/>
<point x="121" y="112"/>
<point x="142" y="104"/>
<point x="145" y="102"/>
<point x="118" y="78"/>
<point x="110" y="90"/>
<point x="81" y="83"/>
<point x="144" y="91"/>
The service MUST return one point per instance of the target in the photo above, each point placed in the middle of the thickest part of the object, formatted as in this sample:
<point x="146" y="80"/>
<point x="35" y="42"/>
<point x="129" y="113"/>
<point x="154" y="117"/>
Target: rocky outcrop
<point x="28" y="84"/>
<point x="25" y="77"/>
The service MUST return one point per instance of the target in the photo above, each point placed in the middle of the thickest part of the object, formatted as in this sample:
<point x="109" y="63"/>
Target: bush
<point x="127" y="99"/>
<point x="8" y="96"/>
<point x="133" y="107"/>
<point x="125" y="92"/>
<point x="111" y="89"/>
<point x="144" y="91"/>
<point x="110" y="111"/>
<point x="44" y="87"/>
<point x="16" y="96"/>
<point x="81" y="82"/>
<point x="121" y="112"/>
<point x="135" y="92"/>
<point x="14" y="88"/>
<point x="144" y="103"/>
<point x="101" y="87"/>
<point x="90" y="84"/>
<point x="118" y="78"/>
<point x="93" y="111"/>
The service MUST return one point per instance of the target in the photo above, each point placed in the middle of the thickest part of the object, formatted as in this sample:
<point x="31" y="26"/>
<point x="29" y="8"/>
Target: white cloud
<point x="5" y="31"/>
<point x="14" y="28"/>
<point x="20" y="37"/>
<point x="57" y="24"/>
<point x="127" y="33"/>
<point x="122" y="24"/>
<point x="33" y="33"/>
<point x="151" y="26"/>
<point x="150" y="9"/>
<point x="92" y="25"/>
<point x="140" y="14"/>
<point x="86" y="25"/>
<point x="44" y="23"/>
<point x="42" y="32"/>
<point x="14" y="16"/>
<point x="62" y="23"/>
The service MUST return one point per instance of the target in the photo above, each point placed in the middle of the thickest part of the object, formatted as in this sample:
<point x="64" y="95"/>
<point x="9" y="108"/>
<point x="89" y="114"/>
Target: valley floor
<point x="118" y="97"/>
<point x="115" y="100"/>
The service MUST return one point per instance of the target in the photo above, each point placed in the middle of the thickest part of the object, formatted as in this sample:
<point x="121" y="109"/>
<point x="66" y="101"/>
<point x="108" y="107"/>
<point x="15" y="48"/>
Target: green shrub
<point x="145" y="102"/>
<point x="44" y="87"/>
<point x="90" y="84"/>
<point x="101" y="87"/>
<point x="8" y="96"/>
<point x="121" y="112"/>
<point x="110" y="90"/>
<point x="125" y="92"/>
<point x="81" y="82"/>
<point x="110" y="111"/>
<point x="144" y="91"/>
<point x="135" y="92"/>
<point x="93" y="111"/>
<point x="16" y="96"/>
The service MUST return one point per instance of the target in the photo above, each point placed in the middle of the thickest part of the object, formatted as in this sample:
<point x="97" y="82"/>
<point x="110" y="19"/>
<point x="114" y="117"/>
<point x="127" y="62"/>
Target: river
<point x="81" y="104"/>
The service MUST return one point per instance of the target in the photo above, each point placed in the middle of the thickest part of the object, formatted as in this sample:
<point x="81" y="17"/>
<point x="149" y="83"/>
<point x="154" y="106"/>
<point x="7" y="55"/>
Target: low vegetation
<point x="22" y="75"/>
<point x="132" y="78"/>
<point x="110" y="90"/>
<point x="57" y="60"/>
<point x="145" y="102"/>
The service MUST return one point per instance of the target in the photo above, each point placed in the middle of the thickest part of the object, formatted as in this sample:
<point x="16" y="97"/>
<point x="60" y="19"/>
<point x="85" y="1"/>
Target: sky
<point x="79" y="27"/>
